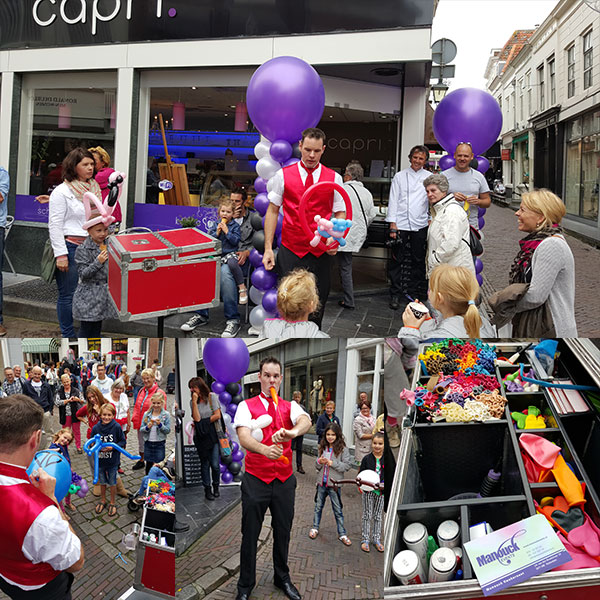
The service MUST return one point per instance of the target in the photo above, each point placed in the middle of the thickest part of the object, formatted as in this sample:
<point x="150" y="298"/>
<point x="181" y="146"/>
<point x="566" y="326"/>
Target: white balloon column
<point x="285" y="96"/>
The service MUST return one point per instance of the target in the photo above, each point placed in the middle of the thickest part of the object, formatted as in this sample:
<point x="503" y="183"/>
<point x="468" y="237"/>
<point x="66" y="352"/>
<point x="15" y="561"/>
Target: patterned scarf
<point x="520" y="271"/>
<point x="79" y="188"/>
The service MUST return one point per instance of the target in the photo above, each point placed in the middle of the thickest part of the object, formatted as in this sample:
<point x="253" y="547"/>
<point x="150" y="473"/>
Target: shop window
<point x="588" y="60"/>
<point x="295" y="379"/>
<point x="94" y="344"/>
<point x="571" y="71"/>
<point x="64" y="119"/>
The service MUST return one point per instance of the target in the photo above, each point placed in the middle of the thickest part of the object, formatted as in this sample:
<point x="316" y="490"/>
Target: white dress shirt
<point x="408" y="205"/>
<point x="278" y="186"/>
<point x="243" y="417"/>
<point x="66" y="217"/>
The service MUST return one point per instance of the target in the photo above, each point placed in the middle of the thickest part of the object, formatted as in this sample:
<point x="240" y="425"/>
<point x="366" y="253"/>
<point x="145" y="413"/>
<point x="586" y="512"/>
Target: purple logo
<point x="504" y="553"/>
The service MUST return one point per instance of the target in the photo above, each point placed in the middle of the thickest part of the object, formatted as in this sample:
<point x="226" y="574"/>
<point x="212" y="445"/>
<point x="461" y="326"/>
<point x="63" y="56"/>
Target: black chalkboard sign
<point x="191" y="467"/>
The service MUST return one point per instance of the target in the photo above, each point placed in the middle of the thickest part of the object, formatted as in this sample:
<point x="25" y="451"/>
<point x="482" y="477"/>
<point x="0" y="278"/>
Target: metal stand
<point x="160" y="327"/>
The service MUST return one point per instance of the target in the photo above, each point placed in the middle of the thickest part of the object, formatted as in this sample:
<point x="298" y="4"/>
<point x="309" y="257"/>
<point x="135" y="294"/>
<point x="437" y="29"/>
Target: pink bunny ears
<point x="96" y="212"/>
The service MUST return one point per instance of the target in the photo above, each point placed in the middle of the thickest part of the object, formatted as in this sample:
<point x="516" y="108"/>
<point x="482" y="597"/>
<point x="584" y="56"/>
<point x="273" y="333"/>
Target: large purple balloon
<point x="467" y="115"/>
<point x="269" y="300"/>
<point x="260" y="185"/>
<point x="483" y="164"/>
<point x="226" y="359"/>
<point x="261" y="203"/>
<point x="217" y="387"/>
<point x="285" y="96"/>
<point x="262" y="280"/>
<point x="255" y="258"/>
<point x="446" y="162"/>
<point x="226" y="477"/>
<point x="281" y="150"/>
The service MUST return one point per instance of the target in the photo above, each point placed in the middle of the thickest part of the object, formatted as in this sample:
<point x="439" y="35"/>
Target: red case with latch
<point x="159" y="273"/>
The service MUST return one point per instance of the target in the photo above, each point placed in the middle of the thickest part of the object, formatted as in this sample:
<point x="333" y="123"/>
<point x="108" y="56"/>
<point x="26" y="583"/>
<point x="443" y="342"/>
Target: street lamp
<point x="439" y="90"/>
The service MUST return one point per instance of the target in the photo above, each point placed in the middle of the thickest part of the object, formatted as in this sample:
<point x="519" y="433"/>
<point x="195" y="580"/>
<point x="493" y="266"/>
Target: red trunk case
<point x="161" y="273"/>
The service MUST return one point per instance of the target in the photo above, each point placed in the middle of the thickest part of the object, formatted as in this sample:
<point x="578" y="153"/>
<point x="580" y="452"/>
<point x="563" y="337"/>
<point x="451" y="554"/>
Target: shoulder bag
<point x="366" y="242"/>
<point x="48" y="270"/>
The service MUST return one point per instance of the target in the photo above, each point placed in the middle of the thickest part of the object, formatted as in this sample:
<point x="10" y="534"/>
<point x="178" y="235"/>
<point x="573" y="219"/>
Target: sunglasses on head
<point x="464" y="144"/>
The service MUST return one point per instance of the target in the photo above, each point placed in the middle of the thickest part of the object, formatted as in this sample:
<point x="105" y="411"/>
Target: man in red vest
<point x="268" y="481"/>
<point x="287" y="188"/>
<point x="39" y="550"/>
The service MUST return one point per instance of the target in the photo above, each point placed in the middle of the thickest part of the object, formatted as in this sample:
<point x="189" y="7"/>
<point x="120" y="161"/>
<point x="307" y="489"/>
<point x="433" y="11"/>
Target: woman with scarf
<point x="65" y="226"/>
<point x="546" y="266"/>
<point x="141" y="406"/>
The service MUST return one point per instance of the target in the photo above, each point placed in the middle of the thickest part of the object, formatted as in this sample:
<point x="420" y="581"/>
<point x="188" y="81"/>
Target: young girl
<point x="109" y="458"/>
<point x="60" y="443"/>
<point x="91" y="302"/>
<point x="373" y="501"/>
<point x="297" y="298"/>
<point x="228" y="232"/>
<point x="332" y="463"/>
<point x="452" y="292"/>
<point x="69" y="400"/>
<point x="156" y="424"/>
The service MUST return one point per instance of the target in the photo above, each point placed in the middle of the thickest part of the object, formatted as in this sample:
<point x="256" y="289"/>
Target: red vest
<point x="258" y="465"/>
<point x="293" y="236"/>
<point x="21" y="503"/>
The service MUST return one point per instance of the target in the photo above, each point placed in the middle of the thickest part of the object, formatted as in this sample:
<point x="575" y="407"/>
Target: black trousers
<point x="297" y="446"/>
<point x="57" y="589"/>
<point x="319" y="265"/>
<point x="257" y="496"/>
<point x="407" y="269"/>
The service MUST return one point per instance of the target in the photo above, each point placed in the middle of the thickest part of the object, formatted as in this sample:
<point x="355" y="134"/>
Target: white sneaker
<point x="243" y="298"/>
<point x="193" y="322"/>
<point x="231" y="329"/>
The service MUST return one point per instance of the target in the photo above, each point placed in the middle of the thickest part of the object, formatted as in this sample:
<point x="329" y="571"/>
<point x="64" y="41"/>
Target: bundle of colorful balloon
<point x="451" y="355"/>
<point x="514" y="383"/>
<point x="532" y="418"/>
<point x="285" y="96"/>
<point x="227" y="360"/>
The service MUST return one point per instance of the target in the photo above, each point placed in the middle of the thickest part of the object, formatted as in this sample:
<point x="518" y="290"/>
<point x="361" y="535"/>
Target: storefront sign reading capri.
<point x="82" y="11"/>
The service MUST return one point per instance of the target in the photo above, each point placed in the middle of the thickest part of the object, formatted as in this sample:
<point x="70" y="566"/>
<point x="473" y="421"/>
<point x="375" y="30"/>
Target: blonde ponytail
<point x="472" y="320"/>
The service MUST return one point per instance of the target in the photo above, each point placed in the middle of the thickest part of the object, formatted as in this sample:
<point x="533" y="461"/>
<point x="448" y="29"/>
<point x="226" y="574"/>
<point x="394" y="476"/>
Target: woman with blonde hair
<point x="453" y="292"/>
<point x="297" y="298"/>
<point x="541" y="298"/>
<point x="103" y="172"/>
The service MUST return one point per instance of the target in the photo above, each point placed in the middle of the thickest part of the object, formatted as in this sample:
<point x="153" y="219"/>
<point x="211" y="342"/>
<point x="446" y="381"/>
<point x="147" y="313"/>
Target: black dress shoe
<point x="301" y="470"/>
<point x="289" y="590"/>
<point x="242" y="596"/>
<point x="395" y="303"/>
<point x="344" y="305"/>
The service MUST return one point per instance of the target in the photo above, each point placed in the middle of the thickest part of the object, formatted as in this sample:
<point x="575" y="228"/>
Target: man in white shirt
<point x="39" y="550"/>
<point x="287" y="187"/>
<point x="408" y="215"/>
<point x="468" y="185"/>
<point x="102" y="382"/>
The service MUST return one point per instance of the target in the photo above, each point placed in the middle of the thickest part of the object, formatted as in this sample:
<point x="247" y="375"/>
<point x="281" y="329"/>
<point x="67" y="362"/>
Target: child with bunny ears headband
<point x="91" y="301"/>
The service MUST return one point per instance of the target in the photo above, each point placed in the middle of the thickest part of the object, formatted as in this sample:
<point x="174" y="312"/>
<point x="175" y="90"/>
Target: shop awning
<point x="522" y="138"/>
<point x="40" y="345"/>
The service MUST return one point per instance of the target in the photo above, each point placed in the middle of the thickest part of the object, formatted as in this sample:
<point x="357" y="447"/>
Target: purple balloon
<point x="483" y="164"/>
<point x="261" y="203"/>
<point x="291" y="161"/>
<point x="467" y="115"/>
<point x="222" y="468"/>
<point x="478" y="265"/>
<point x="285" y="96"/>
<point x="446" y="162"/>
<point x="217" y="387"/>
<point x="481" y="223"/>
<point x="225" y="398"/>
<point x="226" y="477"/>
<point x="262" y="280"/>
<point x="80" y="494"/>
<point x="238" y="456"/>
<point x="279" y="225"/>
<point x="84" y="487"/>
<point x="481" y="211"/>
<point x="269" y="300"/>
<point x="479" y="279"/>
<point x="240" y="387"/>
<point x="231" y="410"/>
<point x="260" y="185"/>
<point x="280" y="150"/>
<point x="235" y="447"/>
<point x="226" y="359"/>
<point x="255" y="258"/>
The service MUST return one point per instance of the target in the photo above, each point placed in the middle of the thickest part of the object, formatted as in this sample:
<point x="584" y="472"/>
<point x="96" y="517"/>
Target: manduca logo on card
<point x="71" y="12"/>
<point x="504" y="553"/>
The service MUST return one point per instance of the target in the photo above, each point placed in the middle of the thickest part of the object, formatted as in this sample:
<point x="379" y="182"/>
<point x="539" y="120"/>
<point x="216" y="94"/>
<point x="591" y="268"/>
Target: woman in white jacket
<point x="448" y="235"/>
<point x="363" y="213"/>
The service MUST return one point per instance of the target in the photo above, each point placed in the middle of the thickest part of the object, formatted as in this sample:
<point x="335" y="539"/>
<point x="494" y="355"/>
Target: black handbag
<point x="475" y="241"/>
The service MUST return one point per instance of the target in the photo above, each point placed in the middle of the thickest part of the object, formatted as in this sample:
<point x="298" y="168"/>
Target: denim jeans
<point x="154" y="473"/>
<point x="211" y="462"/>
<point x="336" y="505"/>
<point x="67" y="283"/>
<point x="229" y="294"/>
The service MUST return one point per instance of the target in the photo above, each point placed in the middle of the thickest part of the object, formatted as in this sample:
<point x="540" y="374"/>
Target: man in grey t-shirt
<point x="467" y="184"/>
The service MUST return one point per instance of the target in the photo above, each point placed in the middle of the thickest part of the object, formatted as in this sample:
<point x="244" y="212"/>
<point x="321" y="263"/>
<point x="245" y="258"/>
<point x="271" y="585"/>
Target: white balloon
<point x="258" y="315"/>
<point x="256" y="295"/>
<point x="267" y="167"/>
<point x="257" y="425"/>
<point x="262" y="149"/>
<point x="368" y="476"/>
<point x="226" y="418"/>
